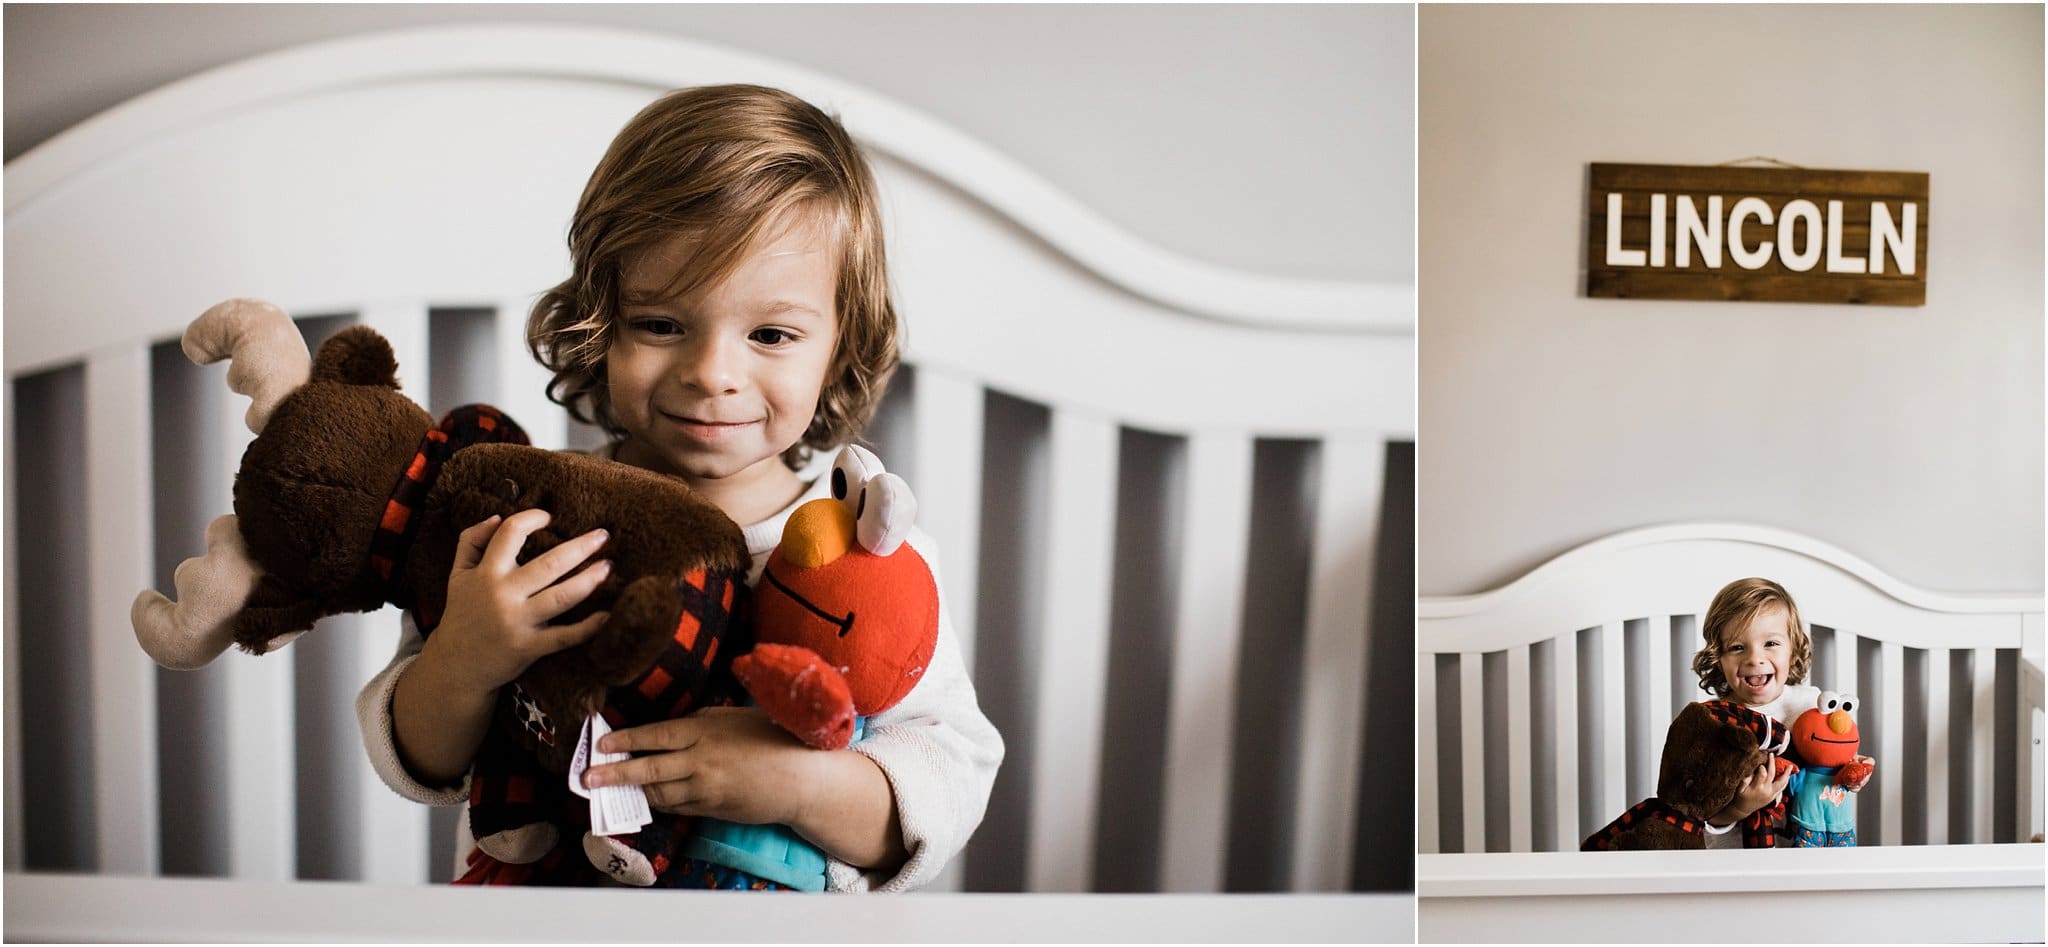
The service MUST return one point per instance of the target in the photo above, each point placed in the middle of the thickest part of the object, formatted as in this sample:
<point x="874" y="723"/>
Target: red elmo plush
<point x="847" y="613"/>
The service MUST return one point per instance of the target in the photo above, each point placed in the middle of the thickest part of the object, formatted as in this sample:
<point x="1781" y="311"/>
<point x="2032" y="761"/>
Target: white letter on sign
<point x="1799" y="261"/>
<point x="1656" y="230"/>
<point x="1616" y="256"/>
<point x="1883" y="234"/>
<point x="1836" y="262"/>
<point x="1745" y="257"/>
<point x="1705" y="234"/>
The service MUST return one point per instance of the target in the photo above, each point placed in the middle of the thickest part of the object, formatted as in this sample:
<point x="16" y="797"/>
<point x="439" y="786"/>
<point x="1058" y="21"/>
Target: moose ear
<point x="356" y="355"/>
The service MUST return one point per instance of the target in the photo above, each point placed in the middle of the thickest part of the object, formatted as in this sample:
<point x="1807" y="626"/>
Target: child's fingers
<point x="470" y="543"/>
<point x="650" y="771"/>
<point x="568" y="593"/>
<point x="558" y="637"/>
<point x="502" y="555"/>
<point x="679" y="733"/>
<point x="549" y="567"/>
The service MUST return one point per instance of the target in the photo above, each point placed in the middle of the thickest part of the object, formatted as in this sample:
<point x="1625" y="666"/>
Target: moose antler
<point x="192" y="631"/>
<point x="269" y="355"/>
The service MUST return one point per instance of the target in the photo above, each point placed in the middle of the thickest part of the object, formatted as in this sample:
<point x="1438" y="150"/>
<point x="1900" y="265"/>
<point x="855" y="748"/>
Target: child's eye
<point x="657" y="327"/>
<point x="772" y="337"/>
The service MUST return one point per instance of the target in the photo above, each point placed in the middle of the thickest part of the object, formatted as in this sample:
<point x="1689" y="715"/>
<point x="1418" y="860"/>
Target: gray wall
<point x="1909" y="436"/>
<point x="1276" y="139"/>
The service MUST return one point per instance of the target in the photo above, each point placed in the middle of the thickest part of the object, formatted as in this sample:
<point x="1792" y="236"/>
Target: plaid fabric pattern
<point x="1651" y="808"/>
<point x="695" y="670"/>
<point x="462" y="427"/>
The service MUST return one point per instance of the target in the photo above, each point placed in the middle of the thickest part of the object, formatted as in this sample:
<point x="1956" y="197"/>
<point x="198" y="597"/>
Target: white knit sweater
<point x="937" y="748"/>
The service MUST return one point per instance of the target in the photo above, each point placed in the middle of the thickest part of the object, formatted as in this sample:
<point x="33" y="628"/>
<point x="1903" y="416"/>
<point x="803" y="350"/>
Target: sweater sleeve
<point x="940" y="753"/>
<point x="373" y="712"/>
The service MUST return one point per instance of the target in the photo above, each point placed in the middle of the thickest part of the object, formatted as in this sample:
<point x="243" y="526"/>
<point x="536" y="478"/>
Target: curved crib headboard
<point x="1542" y="705"/>
<point x="1068" y="388"/>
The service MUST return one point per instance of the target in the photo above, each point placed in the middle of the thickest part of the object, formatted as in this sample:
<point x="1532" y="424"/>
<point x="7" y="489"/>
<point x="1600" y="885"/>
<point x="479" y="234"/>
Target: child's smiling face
<point x="1755" y="658"/>
<point x="716" y="385"/>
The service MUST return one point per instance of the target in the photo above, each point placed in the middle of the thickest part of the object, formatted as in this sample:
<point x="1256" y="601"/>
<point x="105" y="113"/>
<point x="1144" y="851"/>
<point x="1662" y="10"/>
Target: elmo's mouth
<point x="1815" y="737"/>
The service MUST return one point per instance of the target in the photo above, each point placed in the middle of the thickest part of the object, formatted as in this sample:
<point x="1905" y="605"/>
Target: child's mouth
<point x="1756" y="682"/>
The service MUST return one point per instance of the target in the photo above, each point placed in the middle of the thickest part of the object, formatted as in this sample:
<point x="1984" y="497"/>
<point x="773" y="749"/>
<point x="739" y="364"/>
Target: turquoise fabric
<point x="1819" y="804"/>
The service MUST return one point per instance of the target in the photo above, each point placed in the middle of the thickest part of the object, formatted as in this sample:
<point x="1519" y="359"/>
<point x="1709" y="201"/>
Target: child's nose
<point x="712" y="367"/>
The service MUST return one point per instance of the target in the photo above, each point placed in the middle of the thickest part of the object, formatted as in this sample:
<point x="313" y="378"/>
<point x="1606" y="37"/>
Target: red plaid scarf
<point x="464" y="426"/>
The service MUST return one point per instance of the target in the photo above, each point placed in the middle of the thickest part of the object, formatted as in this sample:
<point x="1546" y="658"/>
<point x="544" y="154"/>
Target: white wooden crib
<point x="1541" y="710"/>
<point x="1161" y="482"/>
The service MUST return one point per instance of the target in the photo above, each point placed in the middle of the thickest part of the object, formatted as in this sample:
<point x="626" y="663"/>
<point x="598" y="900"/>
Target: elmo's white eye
<point x="1849" y="702"/>
<point x="1829" y="702"/>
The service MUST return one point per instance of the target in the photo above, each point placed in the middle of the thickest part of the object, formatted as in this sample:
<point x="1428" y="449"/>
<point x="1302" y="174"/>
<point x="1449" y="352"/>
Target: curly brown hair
<point x="730" y="166"/>
<point x="1733" y="607"/>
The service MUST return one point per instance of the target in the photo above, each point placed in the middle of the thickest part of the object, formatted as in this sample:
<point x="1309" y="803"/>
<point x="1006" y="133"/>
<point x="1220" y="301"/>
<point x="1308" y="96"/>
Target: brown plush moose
<point x="351" y="496"/>
<point x="1708" y="750"/>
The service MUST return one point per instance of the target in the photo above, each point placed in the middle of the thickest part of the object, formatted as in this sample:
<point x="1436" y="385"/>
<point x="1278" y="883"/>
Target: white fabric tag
<point x="614" y="810"/>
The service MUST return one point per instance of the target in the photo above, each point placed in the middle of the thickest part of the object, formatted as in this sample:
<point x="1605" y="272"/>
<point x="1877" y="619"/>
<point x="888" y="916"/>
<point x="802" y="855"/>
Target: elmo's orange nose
<point x="818" y="532"/>
<point x="1839" y="721"/>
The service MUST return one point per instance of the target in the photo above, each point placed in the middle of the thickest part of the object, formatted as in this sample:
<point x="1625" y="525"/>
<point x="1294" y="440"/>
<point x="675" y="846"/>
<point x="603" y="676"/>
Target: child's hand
<point x="1855" y="774"/>
<point x="1759" y="789"/>
<point x="496" y="621"/>
<point x="733" y="763"/>
<point x="730" y="763"/>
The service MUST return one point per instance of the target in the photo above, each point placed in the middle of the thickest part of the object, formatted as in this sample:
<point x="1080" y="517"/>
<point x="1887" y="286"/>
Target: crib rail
<point x="1543" y="705"/>
<point x="1945" y="894"/>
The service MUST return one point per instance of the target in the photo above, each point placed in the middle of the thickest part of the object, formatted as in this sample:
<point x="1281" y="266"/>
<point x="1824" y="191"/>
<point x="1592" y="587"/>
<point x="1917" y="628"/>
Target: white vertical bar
<point x="1564" y="689"/>
<point x="1208" y="625"/>
<point x="1661" y="709"/>
<point x="260" y="788"/>
<point x="1892" y="670"/>
<point x="947" y="423"/>
<point x="1428" y="743"/>
<point x="1472" y="746"/>
<point x="10" y="663"/>
<point x="117" y="465"/>
<point x="1067" y="761"/>
<point x="1843" y="674"/>
<point x="404" y="325"/>
<point x="1341" y="573"/>
<point x="2027" y="797"/>
<point x="522" y="382"/>
<point x="1983" y="733"/>
<point x="395" y="841"/>
<point x="1520" y="832"/>
<point x="1613" y="735"/>
<point x="1938" y="745"/>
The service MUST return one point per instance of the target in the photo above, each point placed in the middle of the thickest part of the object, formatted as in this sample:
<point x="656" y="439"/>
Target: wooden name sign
<point x="1659" y="231"/>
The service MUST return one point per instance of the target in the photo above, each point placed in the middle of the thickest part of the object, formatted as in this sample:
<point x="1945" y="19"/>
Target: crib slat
<point x="1075" y="653"/>
<point x="1661" y="709"/>
<point x="260" y="786"/>
<point x="1340" y="642"/>
<point x="1209" y="613"/>
<point x="1520" y="837"/>
<point x="522" y="382"/>
<point x="10" y="662"/>
<point x="1564" y="689"/>
<point x="948" y="424"/>
<point x="1893" y="672"/>
<point x="1613" y="746"/>
<point x="1983" y="732"/>
<point x="1843" y="674"/>
<point x="1472" y="741"/>
<point x="1428" y="836"/>
<point x="404" y="325"/>
<point x="121" y="564"/>
<point x="395" y="842"/>
<point x="1938" y="745"/>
